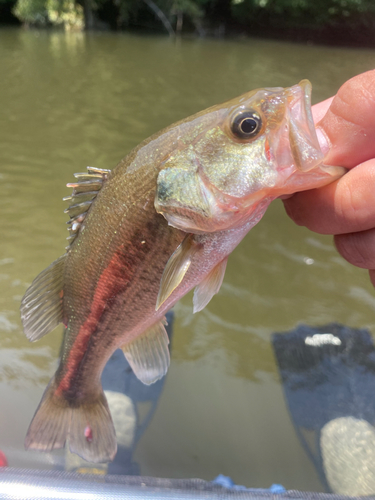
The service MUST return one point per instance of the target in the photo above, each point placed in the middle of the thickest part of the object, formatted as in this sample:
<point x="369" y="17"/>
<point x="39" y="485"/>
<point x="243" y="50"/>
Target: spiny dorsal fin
<point x="148" y="355"/>
<point x="42" y="306"/>
<point x="84" y="192"/>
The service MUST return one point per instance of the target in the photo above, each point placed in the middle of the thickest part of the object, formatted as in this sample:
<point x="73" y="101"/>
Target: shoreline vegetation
<point x="348" y="23"/>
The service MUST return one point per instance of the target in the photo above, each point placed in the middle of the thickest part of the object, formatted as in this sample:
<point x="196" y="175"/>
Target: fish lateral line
<point x="112" y="281"/>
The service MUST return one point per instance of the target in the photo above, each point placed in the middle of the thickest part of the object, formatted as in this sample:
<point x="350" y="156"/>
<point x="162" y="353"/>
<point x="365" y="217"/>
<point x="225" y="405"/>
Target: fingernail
<point x="324" y="143"/>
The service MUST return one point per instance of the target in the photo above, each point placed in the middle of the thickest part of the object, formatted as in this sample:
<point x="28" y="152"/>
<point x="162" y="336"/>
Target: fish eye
<point x="246" y="124"/>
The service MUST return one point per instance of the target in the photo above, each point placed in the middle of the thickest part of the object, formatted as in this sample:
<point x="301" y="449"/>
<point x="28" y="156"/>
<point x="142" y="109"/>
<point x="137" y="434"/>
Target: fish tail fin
<point x="88" y="426"/>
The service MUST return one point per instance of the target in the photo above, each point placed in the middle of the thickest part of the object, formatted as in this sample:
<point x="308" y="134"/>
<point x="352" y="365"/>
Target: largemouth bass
<point x="144" y="234"/>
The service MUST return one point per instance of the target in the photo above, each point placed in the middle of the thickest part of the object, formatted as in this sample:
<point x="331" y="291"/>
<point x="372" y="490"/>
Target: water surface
<point x="71" y="100"/>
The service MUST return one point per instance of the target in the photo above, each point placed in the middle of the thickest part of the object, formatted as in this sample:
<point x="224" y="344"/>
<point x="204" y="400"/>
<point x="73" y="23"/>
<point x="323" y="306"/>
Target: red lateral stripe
<point x="113" y="279"/>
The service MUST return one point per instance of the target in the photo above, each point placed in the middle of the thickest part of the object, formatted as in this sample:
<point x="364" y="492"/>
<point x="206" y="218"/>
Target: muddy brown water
<point x="68" y="100"/>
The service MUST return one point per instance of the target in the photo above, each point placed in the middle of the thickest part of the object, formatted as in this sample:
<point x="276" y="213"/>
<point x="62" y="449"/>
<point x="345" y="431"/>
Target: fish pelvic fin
<point x="176" y="268"/>
<point x="207" y="288"/>
<point x="42" y="304"/>
<point x="89" y="427"/>
<point x="85" y="190"/>
<point x="148" y="355"/>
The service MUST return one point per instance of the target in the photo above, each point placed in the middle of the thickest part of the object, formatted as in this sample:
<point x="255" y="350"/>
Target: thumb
<point x="349" y="124"/>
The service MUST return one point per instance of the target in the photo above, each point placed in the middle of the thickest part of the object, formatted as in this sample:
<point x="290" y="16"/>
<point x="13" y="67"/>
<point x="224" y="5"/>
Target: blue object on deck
<point x="227" y="482"/>
<point x="277" y="488"/>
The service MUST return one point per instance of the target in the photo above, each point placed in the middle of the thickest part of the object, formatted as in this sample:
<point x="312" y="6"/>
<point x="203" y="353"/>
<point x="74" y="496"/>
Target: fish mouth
<point x="303" y="140"/>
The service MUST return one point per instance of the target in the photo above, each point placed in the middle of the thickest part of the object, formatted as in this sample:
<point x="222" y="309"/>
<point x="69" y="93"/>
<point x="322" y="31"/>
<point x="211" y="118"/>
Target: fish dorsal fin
<point x="42" y="304"/>
<point x="176" y="268"/>
<point x="84" y="192"/>
<point x="148" y="355"/>
<point x="207" y="288"/>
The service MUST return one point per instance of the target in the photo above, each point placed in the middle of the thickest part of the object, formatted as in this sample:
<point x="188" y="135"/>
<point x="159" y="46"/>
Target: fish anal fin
<point x="89" y="427"/>
<point x="85" y="190"/>
<point x="42" y="304"/>
<point x="176" y="268"/>
<point x="211" y="284"/>
<point x="148" y="355"/>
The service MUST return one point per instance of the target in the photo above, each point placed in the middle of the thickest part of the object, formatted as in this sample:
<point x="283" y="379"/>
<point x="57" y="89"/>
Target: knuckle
<point x="292" y="210"/>
<point x="353" y="204"/>
<point x="348" y="208"/>
<point x="372" y="276"/>
<point x="356" y="249"/>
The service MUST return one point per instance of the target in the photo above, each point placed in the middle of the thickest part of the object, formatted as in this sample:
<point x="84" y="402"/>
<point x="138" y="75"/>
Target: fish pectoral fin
<point x="42" y="304"/>
<point x="148" y="355"/>
<point x="176" y="268"/>
<point x="207" y="288"/>
<point x="88" y="425"/>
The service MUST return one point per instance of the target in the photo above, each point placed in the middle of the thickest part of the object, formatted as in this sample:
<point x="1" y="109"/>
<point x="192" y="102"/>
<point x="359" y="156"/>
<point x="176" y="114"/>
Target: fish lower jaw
<point x="304" y="181"/>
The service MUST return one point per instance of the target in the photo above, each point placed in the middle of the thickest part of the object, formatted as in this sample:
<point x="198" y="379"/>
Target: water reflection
<point x="239" y="349"/>
<point x="328" y="376"/>
<point x="16" y="365"/>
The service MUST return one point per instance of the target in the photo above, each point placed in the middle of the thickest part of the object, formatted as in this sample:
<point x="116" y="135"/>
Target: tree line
<point x="348" y="18"/>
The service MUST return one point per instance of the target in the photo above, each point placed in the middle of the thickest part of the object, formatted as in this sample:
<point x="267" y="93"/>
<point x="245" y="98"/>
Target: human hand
<point x="345" y="208"/>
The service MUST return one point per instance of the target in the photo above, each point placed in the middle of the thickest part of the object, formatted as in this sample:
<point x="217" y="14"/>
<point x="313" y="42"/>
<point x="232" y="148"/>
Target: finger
<point x="320" y="109"/>
<point x="349" y="123"/>
<point x="357" y="248"/>
<point x="345" y="206"/>
<point x="372" y="276"/>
